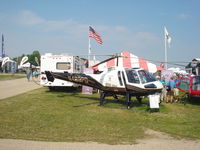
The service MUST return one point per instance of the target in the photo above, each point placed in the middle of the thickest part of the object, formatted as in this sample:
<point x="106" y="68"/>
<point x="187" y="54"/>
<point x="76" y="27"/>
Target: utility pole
<point x="2" y="48"/>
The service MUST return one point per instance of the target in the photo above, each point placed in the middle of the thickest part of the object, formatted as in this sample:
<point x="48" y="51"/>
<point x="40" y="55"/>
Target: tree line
<point x="33" y="58"/>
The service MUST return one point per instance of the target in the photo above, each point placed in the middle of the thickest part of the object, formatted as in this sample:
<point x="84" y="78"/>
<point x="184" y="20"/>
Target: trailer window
<point x="63" y="66"/>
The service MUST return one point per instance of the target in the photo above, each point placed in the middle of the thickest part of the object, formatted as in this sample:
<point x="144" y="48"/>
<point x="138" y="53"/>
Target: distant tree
<point x="34" y="57"/>
<point x="15" y="59"/>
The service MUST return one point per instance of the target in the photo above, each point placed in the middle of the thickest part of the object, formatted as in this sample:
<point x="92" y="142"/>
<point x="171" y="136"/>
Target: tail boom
<point x="79" y="78"/>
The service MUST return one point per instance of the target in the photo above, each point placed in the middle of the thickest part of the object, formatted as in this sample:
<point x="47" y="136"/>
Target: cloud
<point x="117" y="32"/>
<point x="30" y="19"/>
<point x="26" y="17"/>
<point x="183" y="16"/>
<point x="68" y="34"/>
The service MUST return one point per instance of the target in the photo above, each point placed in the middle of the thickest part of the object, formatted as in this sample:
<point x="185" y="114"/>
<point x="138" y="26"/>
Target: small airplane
<point x="115" y="81"/>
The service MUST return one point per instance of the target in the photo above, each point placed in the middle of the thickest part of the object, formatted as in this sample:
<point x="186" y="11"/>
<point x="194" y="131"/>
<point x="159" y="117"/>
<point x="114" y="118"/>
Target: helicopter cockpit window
<point x="196" y="83"/>
<point x="132" y="76"/>
<point x="145" y="76"/>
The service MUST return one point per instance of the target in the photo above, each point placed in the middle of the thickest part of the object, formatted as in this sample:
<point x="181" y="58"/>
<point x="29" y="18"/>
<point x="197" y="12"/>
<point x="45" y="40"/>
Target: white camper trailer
<point x="59" y="63"/>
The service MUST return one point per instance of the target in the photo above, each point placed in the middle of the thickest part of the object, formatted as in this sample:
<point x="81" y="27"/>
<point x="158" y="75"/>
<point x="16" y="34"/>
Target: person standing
<point x="163" y="95"/>
<point x="170" y="92"/>
<point x="28" y="74"/>
<point x="35" y="74"/>
<point x="176" y="89"/>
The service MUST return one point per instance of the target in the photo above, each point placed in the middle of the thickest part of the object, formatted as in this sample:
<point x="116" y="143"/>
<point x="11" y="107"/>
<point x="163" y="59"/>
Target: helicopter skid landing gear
<point x="128" y="99"/>
<point x="116" y="97"/>
<point x="102" y="96"/>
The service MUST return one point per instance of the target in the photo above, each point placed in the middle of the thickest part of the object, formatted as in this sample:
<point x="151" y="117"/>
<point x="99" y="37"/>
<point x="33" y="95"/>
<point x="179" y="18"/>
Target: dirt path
<point x="10" y="88"/>
<point x="158" y="141"/>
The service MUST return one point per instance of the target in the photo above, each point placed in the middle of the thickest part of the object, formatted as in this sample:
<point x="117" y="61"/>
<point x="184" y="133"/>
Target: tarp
<point x="128" y="60"/>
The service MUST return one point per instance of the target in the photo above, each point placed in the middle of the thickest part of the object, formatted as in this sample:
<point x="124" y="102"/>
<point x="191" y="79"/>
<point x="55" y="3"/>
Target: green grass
<point x="75" y="117"/>
<point x="6" y="76"/>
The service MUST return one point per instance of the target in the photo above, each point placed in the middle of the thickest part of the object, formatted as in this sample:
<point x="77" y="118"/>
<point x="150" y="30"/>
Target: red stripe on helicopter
<point x="95" y="67"/>
<point x="159" y="68"/>
<point x="111" y="63"/>
<point x="126" y="59"/>
<point x="143" y="64"/>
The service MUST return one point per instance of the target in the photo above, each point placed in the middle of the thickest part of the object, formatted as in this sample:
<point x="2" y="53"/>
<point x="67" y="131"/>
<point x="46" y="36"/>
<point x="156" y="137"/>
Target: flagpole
<point x="89" y="50"/>
<point x="165" y="48"/>
<point x="2" y="47"/>
<point x="165" y="53"/>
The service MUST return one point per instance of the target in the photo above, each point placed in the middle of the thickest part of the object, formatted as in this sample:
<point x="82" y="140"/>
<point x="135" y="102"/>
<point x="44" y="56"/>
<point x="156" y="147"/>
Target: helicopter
<point x="114" y="81"/>
<point x="190" y="84"/>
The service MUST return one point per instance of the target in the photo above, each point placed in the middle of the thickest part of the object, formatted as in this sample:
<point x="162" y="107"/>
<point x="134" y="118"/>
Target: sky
<point x="137" y="26"/>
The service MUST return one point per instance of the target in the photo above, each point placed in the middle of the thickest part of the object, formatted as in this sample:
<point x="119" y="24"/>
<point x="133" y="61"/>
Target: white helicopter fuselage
<point x="119" y="79"/>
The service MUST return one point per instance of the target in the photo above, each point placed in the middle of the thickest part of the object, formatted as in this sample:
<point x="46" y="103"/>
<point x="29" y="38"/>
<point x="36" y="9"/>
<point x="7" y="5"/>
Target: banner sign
<point x="24" y="59"/>
<point x="5" y="60"/>
<point x="167" y="74"/>
<point x="87" y="89"/>
<point x="154" y="100"/>
<point x="37" y="61"/>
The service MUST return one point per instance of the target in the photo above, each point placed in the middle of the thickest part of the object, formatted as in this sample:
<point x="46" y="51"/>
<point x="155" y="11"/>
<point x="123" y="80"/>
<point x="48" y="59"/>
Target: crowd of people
<point x="170" y="91"/>
<point x="31" y="73"/>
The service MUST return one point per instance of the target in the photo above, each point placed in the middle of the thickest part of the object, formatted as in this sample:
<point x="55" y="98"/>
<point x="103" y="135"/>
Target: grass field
<point x="75" y="117"/>
<point x="5" y="76"/>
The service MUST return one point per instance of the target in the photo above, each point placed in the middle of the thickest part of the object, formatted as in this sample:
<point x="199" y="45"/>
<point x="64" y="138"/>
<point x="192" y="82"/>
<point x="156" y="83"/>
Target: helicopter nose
<point x="159" y="85"/>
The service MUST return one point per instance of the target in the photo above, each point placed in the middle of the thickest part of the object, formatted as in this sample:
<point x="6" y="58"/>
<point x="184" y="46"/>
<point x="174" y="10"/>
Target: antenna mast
<point x="2" y="47"/>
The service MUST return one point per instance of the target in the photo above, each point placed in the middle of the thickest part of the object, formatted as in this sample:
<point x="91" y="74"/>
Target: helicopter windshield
<point x="145" y="76"/>
<point x="132" y="76"/>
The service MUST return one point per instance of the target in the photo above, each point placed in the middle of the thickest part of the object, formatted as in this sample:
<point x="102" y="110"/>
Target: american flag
<point x="95" y="35"/>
